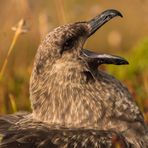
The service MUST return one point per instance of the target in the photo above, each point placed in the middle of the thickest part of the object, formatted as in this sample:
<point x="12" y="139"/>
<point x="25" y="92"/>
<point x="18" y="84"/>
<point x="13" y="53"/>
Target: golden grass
<point x="19" y="29"/>
<point x="13" y="103"/>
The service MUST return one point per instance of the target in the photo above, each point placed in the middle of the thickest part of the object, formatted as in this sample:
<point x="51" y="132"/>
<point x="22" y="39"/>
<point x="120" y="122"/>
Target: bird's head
<point x="66" y="42"/>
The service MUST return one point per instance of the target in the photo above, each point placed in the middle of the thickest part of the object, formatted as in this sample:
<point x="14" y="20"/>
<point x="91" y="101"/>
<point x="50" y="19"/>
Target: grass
<point x="19" y="29"/>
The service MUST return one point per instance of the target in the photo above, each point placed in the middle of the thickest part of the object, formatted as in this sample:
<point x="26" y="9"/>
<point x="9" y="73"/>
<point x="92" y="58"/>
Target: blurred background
<point x="19" y="40"/>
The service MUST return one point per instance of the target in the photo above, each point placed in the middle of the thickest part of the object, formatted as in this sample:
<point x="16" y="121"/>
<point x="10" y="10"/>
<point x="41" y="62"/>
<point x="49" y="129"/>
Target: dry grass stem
<point x="13" y="104"/>
<point x="20" y="28"/>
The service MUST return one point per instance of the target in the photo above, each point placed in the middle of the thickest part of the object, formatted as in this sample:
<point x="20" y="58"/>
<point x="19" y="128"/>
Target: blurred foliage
<point x="137" y="57"/>
<point x="127" y="37"/>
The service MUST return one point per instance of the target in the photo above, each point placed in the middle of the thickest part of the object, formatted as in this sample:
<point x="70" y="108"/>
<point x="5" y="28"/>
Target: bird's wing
<point x="7" y="121"/>
<point x="21" y="133"/>
<point x="124" y="106"/>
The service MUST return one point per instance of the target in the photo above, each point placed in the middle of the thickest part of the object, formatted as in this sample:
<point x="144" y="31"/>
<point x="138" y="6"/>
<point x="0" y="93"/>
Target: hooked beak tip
<point x="101" y="19"/>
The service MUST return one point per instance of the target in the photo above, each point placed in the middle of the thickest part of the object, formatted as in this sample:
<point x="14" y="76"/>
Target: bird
<point x="74" y="103"/>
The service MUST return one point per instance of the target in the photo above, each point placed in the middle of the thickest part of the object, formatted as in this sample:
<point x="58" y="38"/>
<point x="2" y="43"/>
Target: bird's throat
<point x="60" y="99"/>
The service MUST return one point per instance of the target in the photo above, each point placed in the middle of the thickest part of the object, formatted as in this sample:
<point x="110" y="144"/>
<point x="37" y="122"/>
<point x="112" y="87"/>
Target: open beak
<point x="94" y="24"/>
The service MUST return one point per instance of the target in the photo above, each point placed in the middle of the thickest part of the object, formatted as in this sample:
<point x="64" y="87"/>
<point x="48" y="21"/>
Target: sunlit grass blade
<point x="18" y="30"/>
<point x="13" y="103"/>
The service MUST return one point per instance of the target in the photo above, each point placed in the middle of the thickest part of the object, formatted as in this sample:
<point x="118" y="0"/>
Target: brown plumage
<point x="22" y="131"/>
<point x="72" y="99"/>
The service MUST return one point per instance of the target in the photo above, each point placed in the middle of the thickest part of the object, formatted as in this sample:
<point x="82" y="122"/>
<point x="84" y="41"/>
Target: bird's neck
<point x="59" y="99"/>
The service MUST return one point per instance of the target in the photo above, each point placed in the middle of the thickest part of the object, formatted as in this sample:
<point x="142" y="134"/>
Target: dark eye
<point x="69" y="43"/>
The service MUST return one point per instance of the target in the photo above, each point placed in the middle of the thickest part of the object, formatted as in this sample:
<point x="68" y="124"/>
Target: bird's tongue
<point x="103" y="58"/>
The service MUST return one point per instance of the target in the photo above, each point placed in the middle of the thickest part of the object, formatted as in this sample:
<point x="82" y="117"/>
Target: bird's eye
<point x="69" y="43"/>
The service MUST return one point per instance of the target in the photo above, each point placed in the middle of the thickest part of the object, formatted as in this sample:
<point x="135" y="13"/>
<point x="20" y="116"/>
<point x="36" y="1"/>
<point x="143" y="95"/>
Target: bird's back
<point x="20" y="130"/>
